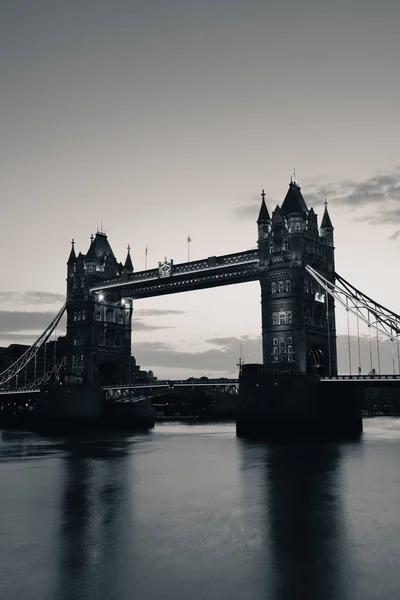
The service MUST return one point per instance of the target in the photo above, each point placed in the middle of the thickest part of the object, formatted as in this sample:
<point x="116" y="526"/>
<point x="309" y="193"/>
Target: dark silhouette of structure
<point x="298" y="320"/>
<point x="98" y="327"/>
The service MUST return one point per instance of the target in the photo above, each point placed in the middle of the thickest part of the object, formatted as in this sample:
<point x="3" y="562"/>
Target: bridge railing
<point x="171" y="383"/>
<point x="207" y="264"/>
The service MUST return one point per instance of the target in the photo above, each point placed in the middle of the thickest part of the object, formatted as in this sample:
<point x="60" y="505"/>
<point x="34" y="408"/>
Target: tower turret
<point x="264" y="220"/>
<point x="326" y="228"/>
<point x="326" y="235"/>
<point x="128" y="266"/>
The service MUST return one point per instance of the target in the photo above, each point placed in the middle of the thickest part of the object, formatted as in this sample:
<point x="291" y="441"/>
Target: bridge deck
<point x="214" y="271"/>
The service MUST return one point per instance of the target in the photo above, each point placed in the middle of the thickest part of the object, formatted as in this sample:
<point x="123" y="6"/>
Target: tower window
<point x="285" y="245"/>
<point x="275" y="341"/>
<point x="280" y="286"/>
<point x="273" y="287"/>
<point x="271" y="248"/>
<point x="282" y="317"/>
<point x="288" y="285"/>
<point x="83" y="315"/>
<point x="75" y="316"/>
<point x="278" y="225"/>
<point x="98" y="315"/>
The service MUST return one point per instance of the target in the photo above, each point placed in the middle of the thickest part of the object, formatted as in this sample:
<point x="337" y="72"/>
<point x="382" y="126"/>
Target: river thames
<point x="190" y="512"/>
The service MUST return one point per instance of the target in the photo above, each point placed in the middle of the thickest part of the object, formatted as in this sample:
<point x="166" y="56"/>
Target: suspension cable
<point x="329" y="336"/>
<point x="18" y="365"/>
<point x="348" y="334"/>
<point x="377" y="347"/>
<point x="360" y="302"/>
<point x="398" y="351"/>
<point x="359" y="349"/>
<point x="394" y="370"/>
<point x="370" y="346"/>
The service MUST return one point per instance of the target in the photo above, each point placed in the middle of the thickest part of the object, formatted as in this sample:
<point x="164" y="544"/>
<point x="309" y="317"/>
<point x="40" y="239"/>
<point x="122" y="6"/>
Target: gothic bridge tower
<point x="98" y="325"/>
<point x="298" y="321"/>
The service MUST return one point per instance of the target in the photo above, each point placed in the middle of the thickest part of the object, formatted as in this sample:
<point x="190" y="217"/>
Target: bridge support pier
<point x="298" y="407"/>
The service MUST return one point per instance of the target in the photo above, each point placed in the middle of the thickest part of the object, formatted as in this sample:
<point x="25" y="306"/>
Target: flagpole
<point x="145" y="259"/>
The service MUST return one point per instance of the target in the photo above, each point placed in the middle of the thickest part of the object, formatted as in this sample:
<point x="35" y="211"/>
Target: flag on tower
<point x="189" y="239"/>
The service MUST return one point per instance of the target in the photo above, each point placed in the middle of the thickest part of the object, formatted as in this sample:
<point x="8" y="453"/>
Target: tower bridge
<point x="295" y="265"/>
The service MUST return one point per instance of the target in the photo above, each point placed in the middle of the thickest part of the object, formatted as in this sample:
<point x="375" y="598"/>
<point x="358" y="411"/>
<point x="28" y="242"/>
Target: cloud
<point x="20" y="301"/>
<point x="394" y="235"/>
<point x="157" y="312"/>
<point x="381" y="189"/>
<point x="24" y="327"/>
<point x="14" y="322"/>
<point x="222" y="359"/>
<point x="247" y="211"/>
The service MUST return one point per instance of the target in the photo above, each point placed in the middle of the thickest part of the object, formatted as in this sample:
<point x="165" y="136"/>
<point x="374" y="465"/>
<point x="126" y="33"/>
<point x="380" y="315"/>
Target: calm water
<point x="192" y="513"/>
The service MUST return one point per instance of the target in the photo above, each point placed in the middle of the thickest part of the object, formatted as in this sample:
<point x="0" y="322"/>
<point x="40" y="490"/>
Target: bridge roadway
<point x="213" y="271"/>
<point x="115" y="392"/>
<point x="184" y="383"/>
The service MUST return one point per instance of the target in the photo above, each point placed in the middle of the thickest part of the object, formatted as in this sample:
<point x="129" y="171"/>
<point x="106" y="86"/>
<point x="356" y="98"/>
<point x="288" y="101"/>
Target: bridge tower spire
<point x="298" y="322"/>
<point x="98" y="340"/>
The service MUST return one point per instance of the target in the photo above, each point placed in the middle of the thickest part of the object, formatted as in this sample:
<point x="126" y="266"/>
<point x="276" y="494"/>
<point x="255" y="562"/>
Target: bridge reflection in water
<point x="191" y="511"/>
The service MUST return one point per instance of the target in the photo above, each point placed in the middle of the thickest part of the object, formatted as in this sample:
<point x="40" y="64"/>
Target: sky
<point x="159" y="120"/>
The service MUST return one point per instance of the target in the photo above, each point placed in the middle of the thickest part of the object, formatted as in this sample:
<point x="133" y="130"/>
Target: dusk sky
<point x="163" y="119"/>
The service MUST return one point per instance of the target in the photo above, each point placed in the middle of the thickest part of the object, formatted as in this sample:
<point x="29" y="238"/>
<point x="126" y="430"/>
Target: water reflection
<point x="94" y="517"/>
<point x="306" y="522"/>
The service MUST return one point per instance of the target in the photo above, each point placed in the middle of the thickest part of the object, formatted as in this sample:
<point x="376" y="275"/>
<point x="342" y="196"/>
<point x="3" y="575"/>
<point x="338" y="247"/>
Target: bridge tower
<point x="298" y="321"/>
<point x="98" y="339"/>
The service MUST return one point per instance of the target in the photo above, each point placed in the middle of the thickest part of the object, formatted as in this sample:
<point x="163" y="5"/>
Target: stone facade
<point x="98" y="340"/>
<point x="298" y="321"/>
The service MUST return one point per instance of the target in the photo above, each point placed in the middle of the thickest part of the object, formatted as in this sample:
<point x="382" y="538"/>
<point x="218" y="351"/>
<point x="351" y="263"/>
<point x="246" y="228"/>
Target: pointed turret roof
<point x="128" y="266"/>
<point x="277" y="210"/>
<point x="326" y="222"/>
<point x="294" y="201"/>
<point x="99" y="248"/>
<point x="72" y="255"/>
<point x="263" y="214"/>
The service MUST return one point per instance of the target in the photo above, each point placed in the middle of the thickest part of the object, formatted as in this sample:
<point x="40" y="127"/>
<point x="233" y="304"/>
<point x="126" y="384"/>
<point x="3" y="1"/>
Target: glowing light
<point x="101" y="297"/>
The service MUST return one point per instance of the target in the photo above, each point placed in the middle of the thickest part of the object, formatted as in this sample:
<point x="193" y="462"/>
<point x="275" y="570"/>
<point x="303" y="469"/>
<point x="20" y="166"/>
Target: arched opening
<point x="315" y="361"/>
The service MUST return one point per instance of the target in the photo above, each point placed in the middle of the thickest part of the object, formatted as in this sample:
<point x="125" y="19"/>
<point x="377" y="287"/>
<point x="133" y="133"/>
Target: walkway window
<point x="110" y="317"/>
<point x="273" y="287"/>
<point x="288" y="285"/>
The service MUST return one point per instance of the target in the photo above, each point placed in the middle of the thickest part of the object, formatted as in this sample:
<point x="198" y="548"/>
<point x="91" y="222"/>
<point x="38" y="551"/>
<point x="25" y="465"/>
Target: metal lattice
<point x="381" y="319"/>
<point x="23" y="360"/>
